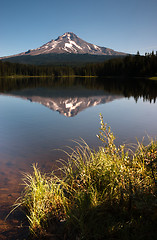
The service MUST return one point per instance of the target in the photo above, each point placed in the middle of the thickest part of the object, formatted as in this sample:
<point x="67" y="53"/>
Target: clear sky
<point x="123" y="25"/>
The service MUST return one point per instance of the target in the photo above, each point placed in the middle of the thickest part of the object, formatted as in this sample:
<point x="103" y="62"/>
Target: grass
<point x="77" y="76"/>
<point x="48" y="76"/>
<point x="153" y="78"/>
<point x="26" y="76"/>
<point x="95" y="195"/>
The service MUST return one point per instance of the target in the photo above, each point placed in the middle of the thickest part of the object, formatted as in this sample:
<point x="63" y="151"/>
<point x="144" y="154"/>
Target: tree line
<point x="131" y="65"/>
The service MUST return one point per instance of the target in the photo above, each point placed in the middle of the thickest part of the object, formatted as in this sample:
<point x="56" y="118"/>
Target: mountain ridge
<point x="62" y="59"/>
<point x="68" y="43"/>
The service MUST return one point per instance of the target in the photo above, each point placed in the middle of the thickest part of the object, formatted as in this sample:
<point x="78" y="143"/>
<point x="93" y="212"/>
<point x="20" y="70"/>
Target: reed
<point x="43" y="199"/>
<point x="97" y="194"/>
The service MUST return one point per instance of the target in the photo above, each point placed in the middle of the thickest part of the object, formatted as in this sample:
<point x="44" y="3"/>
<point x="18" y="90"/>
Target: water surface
<point x="39" y="116"/>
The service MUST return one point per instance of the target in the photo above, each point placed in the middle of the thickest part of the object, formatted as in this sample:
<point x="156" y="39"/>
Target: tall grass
<point x="104" y="194"/>
<point x="43" y="199"/>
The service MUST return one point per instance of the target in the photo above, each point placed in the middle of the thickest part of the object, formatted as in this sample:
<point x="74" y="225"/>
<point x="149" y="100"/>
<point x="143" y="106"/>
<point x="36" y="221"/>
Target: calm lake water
<point x="40" y="116"/>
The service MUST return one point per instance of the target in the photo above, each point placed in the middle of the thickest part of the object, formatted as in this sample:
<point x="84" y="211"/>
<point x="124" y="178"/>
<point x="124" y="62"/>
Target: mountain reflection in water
<point x="69" y="96"/>
<point x="70" y="105"/>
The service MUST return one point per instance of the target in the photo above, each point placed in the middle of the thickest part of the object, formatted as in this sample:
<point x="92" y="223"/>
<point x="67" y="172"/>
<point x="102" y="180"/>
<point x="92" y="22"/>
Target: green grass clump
<point x="104" y="194"/>
<point x="43" y="199"/>
<point x="153" y="78"/>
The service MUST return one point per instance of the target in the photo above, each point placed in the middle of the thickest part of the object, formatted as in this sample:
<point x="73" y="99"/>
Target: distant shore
<point x="77" y="76"/>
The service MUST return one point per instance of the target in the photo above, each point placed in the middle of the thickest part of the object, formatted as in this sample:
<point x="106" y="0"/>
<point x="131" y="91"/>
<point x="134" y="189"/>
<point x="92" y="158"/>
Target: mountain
<point x="68" y="43"/>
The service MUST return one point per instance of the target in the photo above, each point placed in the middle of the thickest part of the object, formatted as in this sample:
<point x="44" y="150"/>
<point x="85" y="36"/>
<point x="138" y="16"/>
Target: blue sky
<point x="123" y="25"/>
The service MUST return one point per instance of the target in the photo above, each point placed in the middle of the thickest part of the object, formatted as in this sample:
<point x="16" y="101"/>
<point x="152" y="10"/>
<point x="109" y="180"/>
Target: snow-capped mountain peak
<point x="69" y="43"/>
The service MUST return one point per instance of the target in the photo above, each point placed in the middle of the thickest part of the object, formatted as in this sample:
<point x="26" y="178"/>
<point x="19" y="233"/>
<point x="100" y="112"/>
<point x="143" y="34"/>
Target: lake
<point x="41" y="117"/>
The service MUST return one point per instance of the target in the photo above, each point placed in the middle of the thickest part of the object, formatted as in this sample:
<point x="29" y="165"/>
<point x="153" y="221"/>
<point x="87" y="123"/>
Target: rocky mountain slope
<point x="68" y="43"/>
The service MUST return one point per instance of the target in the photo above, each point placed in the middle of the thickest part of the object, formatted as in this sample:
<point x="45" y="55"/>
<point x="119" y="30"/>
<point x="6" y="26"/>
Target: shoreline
<point x="154" y="78"/>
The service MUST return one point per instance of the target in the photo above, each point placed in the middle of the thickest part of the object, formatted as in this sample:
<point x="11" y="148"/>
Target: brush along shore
<point x="106" y="194"/>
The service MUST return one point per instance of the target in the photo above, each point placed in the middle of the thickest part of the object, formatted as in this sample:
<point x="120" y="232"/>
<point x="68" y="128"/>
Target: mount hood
<point x="69" y="43"/>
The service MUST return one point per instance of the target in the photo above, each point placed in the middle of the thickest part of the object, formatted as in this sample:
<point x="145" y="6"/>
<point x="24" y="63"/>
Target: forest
<point x="131" y="65"/>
